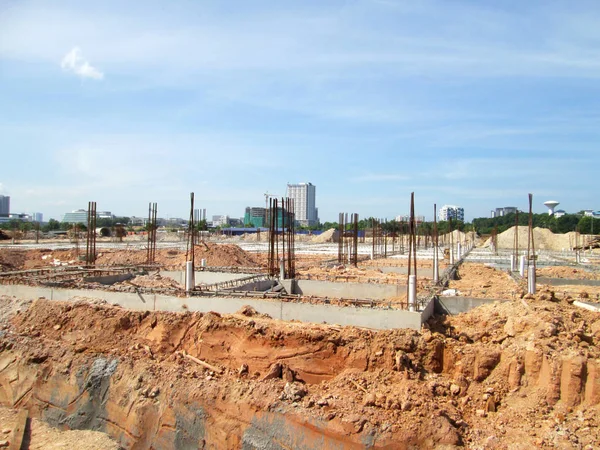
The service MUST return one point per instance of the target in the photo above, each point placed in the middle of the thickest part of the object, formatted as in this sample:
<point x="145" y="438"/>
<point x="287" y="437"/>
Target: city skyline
<point x="442" y="213"/>
<point x="462" y="103"/>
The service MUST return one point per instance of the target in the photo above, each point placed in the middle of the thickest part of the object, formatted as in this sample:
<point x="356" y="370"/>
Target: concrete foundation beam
<point x="276" y="308"/>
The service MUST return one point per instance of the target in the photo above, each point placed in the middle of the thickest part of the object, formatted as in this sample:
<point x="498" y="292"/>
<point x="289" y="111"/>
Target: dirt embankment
<point x="352" y="274"/>
<point x="216" y="255"/>
<point x="481" y="281"/>
<point x="505" y="375"/>
<point x="567" y="272"/>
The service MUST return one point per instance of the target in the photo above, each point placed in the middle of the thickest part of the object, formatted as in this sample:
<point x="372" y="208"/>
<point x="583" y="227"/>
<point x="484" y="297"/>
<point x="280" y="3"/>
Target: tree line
<point x="55" y="225"/>
<point x="564" y="224"/>
<point x="393" y="226"/>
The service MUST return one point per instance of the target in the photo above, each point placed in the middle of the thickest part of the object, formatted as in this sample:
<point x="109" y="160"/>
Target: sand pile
<point x="304" y="237"/>
<point x="457" y="236"/>
<point x="43" y="436"/>
<point x="330" y="235"/>
<point x="152" y="281"/>
<point x="263" y="236"/>
<point x="544" y="239"/>
<point x="11" y="259"/>
<point x="571" y="273"/>
<point x="216" y="255"/>
<point x="170" y="236"/>
<point x="354" y="275"/>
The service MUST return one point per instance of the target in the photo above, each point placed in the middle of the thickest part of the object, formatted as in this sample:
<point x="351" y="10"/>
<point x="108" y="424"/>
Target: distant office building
<point x="23" y="217"/>
<point x="76" y="216"/>
<point x="135" y="221"/>
<point x="559" y="213"/>
<point x="104" y="215"/>
<point x="255" y="216"/>
<point x="81" y="216"/>
<point x="406" y="218"/>
<point x="499" y="212"/>
<point x="591" y="213"/>
<point x="236" y="222"/>
<point x="304" y="199"/>
<point x="172" y="222"/>
<point x="452" y="211"/>
<point x="4" y="205"/>
<point x="220" y="221"/>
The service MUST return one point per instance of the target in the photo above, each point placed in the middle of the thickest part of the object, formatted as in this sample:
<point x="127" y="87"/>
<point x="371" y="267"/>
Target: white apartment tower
<point x="303" y="196"/>
<point x="452" y="211"/>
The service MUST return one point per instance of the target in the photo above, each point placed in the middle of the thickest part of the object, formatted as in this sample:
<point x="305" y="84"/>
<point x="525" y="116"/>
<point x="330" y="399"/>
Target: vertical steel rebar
<point x="435" y="238"/>
<point x="412" y="248"/>
<point x="516" y="243"/>
<point x="341" y="227"/>
<point x="530" y="238"/>
<point x="451" y="231"/>
<point x="90" y="247"/>
<point x="191" y="241"/>
<point x="355" y="241"/>
<point x="151" y="234"/>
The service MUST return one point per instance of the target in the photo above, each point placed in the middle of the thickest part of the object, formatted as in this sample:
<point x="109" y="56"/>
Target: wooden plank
<point x="18" y="433"/>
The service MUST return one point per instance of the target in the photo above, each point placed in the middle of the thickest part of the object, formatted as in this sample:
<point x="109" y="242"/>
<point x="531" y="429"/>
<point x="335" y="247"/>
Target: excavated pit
<point x="504" y="374"/>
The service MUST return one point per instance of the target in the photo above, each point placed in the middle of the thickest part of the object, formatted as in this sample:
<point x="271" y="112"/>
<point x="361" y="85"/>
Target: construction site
<point x="280" y="341"/>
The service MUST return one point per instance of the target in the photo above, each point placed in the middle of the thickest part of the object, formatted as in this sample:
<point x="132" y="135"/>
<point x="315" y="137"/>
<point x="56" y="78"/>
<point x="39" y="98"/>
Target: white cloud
<point x="74" y="62"/>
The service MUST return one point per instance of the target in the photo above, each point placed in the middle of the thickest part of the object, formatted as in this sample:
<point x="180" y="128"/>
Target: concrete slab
<point x="346" y="290"/>
<point x="566" y="281"/>
<point x="588" y="305"/>
<point x="457" y="305"/>
<point x="204" y="277"/>
<point x="109" y="279"/>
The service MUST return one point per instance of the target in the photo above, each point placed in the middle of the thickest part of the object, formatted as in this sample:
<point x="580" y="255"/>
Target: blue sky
<point x="463" y="102"/>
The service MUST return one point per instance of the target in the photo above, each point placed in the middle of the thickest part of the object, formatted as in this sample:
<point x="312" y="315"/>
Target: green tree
<point x="589" y="225"/>
<point x="566" y="223"/>
<point x="10" y="225"/>
<point x="52" y="225"/>
<point x="26" y="226"/>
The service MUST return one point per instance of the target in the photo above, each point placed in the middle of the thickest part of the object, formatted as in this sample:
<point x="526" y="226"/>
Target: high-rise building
<point x="304" y="198"/>
<point x="37" y="217"/>
<point x="255" y="216"/>
<point x="452" y="211"/>
<point x="4" y="205"/>
<point x="220" y="221"/>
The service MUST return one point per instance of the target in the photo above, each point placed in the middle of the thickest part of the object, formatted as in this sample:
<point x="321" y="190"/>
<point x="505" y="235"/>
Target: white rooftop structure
<point x="551" y="204"/>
